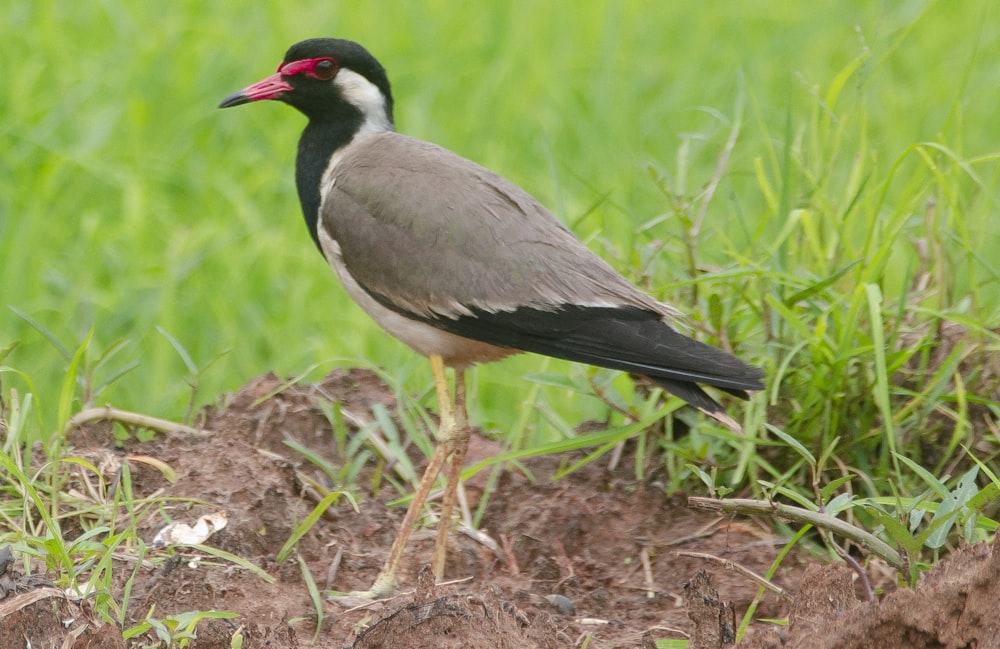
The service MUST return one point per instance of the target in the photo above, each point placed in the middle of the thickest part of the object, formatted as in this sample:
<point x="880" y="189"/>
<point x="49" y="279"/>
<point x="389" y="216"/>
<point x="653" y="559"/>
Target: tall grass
<point x="815" y="183"/>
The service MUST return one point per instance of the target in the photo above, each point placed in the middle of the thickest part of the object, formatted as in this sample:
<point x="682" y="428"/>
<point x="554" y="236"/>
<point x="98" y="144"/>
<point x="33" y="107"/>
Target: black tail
<point x="622" y="338"/>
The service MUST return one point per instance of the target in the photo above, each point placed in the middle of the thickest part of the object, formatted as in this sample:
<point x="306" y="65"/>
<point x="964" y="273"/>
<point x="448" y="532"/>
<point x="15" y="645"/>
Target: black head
<point x="343" y="91"/>
<point x="323" y="77"/>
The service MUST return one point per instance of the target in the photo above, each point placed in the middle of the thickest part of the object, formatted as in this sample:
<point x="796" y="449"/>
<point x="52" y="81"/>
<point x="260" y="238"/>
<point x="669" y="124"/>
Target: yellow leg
<point x="385" y="583"/>
<point x="458" y="444"/>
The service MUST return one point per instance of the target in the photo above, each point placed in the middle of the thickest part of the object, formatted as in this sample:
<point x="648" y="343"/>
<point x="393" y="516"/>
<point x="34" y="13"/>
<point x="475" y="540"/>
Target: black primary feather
<point x="629" y="339"/>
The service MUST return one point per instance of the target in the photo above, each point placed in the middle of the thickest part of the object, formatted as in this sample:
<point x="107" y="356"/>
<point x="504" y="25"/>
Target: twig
<point x="866" y="540"/>
<point x="669" y="629"/>
<point x="735" y="567"/>
<point x="107" y="413"/>
<point x="647" y="571"/>
<point x="331" y="573"/>
<point x="602" y="396"/>
<point x="704" y="531"/>
<point x="482" y="538"/>
<point x="452" y="582"/>
<point x="509" y="559"/>
<point x="862" y="574"/>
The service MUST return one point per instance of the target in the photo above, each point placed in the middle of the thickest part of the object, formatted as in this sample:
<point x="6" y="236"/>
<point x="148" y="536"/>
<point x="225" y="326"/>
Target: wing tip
<point x="693" y="395"/>
<point x="723" y="418"/>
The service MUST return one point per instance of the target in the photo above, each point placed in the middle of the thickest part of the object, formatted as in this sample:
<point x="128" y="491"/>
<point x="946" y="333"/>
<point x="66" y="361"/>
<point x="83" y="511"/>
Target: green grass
<point x="816" y="184"/>
<point x="130" y="203"/>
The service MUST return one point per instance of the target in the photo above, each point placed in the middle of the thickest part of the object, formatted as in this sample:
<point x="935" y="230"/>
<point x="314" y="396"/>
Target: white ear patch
<point x="366" y="97"/>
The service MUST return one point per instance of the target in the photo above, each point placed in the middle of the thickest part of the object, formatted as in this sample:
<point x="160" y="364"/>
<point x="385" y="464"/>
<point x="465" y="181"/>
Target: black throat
<point x="321" y="138"/>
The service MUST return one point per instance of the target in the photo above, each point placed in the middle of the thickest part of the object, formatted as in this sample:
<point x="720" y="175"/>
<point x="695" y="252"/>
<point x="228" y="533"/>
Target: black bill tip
<point x="235" y="99"/>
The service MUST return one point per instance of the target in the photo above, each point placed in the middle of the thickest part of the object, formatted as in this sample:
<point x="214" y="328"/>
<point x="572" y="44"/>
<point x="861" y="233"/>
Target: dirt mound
<point x="956" y="605"/>
<point x="589" y="558"/>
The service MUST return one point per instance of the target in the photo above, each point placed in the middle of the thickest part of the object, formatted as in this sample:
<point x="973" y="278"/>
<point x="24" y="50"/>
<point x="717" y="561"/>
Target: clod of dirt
<point x="714" y="619"/>
<point x="956" y="605"/>
<point x="458" y="621"/>
<point x="827" y="594"/>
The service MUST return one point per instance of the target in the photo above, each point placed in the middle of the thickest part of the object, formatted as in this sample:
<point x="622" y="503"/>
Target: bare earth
<point x="593" y="554"/>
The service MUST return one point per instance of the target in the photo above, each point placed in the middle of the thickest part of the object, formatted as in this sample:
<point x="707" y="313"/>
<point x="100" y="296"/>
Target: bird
<point x="461" y="264"/>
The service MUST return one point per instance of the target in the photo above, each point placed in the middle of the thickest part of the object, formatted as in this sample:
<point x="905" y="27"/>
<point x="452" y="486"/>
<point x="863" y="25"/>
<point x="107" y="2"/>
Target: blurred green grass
<point x="128" y="202"/>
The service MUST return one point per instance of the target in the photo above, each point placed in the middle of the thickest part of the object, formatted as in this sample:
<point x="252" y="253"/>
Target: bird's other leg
<point x="385" y="583"/>
<point x="457" y="445"/>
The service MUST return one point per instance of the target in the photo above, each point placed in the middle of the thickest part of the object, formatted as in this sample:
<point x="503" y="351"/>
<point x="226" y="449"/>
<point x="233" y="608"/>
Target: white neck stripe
<point x="366" y="97"/>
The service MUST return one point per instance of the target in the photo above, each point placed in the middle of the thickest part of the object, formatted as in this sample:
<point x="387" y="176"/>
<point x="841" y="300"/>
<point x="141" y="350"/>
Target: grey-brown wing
<point x="436" y="234"/>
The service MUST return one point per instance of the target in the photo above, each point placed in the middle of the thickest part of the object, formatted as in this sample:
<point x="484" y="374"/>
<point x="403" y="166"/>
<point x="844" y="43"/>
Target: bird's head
<point x="325" y="78"/>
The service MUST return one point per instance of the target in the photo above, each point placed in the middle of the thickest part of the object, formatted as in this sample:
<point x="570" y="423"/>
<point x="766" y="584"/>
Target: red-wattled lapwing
<point x="460" y="264"/>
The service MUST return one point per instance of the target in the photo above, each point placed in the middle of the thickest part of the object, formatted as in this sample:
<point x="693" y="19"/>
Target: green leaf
<point x="794" y="443"/>
<point x="839" y="504"/>
<point x="833" y="486"/>
<point x="310" y="520"/>
<point x="189" y="363"/>
<point x="950" y="508"/>
<point x="240" y="561"/>
<point x="895" y="531"/>
<point x="925" y="475"/>
<point x="5" y="351"/>
<point x="703" y="476"/>
<point x="314" y="595"/>
<point x="882" y="397"/>
<point x="42" y="329"/>
<point x="68" y="392"/>
<point x="819" y="286"/>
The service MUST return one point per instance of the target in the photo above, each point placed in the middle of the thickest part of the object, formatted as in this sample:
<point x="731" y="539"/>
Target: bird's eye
<point x="325" y="69"/>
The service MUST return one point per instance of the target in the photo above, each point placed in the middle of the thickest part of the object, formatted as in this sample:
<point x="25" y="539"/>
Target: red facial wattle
<point x="323" y="68"/>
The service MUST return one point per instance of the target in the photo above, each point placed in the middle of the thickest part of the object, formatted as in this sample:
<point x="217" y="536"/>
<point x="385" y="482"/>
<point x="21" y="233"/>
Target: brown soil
<point x="593" y="557"/>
